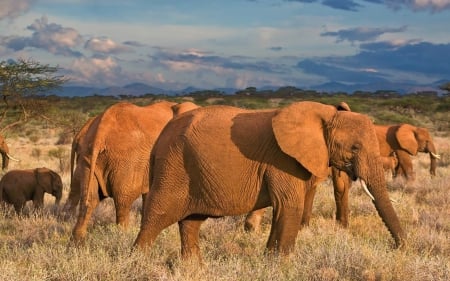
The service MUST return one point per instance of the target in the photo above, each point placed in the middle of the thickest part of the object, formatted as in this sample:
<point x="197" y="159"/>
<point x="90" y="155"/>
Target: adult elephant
<point x="406" y="140"/>
<point x="223" y="161"/>
<point x="113" y="153"/>
<point x="4" y="151"/>
<point x="19" y="186"/>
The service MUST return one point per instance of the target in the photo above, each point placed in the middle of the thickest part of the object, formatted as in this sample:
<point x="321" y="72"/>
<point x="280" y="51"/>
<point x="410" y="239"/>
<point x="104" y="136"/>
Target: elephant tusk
<point x="12" y="158"/>
<point x="437" y="156"/>
<point x="364" y="186"/>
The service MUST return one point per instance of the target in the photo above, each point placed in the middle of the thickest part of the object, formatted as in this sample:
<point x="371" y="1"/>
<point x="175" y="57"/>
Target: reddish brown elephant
<point x="225" y="161"/>
<point x="112" y="154"/>
<point x="19" y="186"/>
<point x="406" y="140"/>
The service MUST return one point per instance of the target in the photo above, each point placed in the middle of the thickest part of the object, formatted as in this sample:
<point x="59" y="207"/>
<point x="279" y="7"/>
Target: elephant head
<point x="4" y="150"/>
<point x="319" y="136"/>
<point x="50" y="182"/>
<point x="415" y="139"/>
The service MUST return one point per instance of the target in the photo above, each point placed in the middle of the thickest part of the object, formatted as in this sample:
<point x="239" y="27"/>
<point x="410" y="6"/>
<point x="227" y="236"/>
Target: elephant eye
<point x="356" y="147"/>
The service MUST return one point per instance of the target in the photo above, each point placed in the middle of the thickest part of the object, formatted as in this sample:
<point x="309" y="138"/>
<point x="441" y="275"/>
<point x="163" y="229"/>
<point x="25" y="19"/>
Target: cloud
<point x="361" y="33"/>
<point x="423" y="57"/>
<point x="95" y="71"/>
<point x="51" y="37"/>
<point x="420" y="5"/>
<point x="11" y="9"/>
<point x="348" y="5"/>
<point x="194" y="60"/>
<point x="105" y="45"/>
<point x="382" y="58"/>
<point x="276" y="48"/>
<point x="355" y="5"/>
<point x="340" y="73"/>
<point x="134" y="44"/>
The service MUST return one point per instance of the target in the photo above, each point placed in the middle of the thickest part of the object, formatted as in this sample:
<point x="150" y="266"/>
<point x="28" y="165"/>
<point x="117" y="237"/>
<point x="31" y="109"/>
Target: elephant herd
<point x="190" y="163"/>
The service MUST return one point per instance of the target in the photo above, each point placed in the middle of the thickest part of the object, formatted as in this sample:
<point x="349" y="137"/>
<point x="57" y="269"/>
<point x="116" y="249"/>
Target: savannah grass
<point x="37" y="246"/>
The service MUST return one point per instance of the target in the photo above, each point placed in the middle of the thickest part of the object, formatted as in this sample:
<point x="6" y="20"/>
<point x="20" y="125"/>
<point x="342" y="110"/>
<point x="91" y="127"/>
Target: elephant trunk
<point x="5" y="160"/>
<point x="376" y="184"/>
<point x="58" y="198"/>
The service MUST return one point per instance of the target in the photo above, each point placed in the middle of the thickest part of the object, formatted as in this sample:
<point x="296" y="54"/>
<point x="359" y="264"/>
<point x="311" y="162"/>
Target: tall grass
<point x="37" y="246"/>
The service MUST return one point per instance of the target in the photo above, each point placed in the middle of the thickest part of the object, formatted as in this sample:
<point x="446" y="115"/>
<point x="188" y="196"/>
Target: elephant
<point x="406" y="140"/>
<point x="224" y="161"/>
<point x="341" y="185"/>
<point x="19" y="186"/>
<point x="112" y="155"/>
<point x="4" y="150"/>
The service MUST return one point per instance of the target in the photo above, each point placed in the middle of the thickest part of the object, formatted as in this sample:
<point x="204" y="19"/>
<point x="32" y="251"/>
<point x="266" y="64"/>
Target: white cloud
<point x="434" y="5"/>
<point x="95" y="71"/>
<point x="105" y="45"/>
<point x="14" y="8"/>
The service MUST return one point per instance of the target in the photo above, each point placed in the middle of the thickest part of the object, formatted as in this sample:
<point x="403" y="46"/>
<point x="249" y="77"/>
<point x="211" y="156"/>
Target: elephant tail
<point x="98" y="146"/>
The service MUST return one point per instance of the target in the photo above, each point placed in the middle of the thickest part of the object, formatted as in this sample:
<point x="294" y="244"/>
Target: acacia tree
<point x="20" y="80"/>
<point x="445" y="87"/>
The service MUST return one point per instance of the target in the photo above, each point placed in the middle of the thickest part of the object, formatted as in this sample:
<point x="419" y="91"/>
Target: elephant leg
<point x="285" y="227"/>
<point x="84" y="216"/>
<point x="405" y="166"/>
<point x="309" y="199"/>
<point x="253" y="220"/>
<point x="122" y="213"/>
<point x="341" y="185"/>
<point x="19" y="206"/>
<point x="189" y="234"/>
<point x="159" y="213"/>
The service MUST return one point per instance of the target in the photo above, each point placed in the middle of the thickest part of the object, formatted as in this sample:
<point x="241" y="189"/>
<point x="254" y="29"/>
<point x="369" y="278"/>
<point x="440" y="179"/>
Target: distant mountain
<point x="134" y="89"/>
<point x="139" y="89"/>
<point x="401" y="88"/>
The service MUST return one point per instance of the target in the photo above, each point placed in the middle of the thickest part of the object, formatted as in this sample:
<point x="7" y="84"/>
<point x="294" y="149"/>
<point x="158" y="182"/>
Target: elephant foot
<point x="78" y="238"/>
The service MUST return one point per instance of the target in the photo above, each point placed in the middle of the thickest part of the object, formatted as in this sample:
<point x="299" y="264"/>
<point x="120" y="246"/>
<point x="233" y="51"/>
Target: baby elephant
<point x="19" y="186"/>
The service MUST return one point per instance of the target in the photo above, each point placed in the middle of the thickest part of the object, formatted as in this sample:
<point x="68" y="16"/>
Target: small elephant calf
<point x="19" y="186"/>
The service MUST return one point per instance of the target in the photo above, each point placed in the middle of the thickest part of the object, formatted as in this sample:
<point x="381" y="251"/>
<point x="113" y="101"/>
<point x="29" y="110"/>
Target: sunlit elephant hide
<point x="112" y="155"/>
<point x="19" y="186"/>
<point x="224" y="161"/>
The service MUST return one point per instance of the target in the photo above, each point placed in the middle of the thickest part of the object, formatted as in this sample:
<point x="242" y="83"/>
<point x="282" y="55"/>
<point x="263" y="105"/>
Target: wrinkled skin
<point x="19" y="186"/>
<point x="112" y="155"/>
<point x="224" y="161"/>
<point x="406" y="141"/>
<point x="341" y="185"/>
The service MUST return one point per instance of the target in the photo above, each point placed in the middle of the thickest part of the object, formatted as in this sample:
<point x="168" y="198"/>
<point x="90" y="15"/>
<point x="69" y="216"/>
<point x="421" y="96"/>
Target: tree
<point x="20" y="80"/>
<point x="445" y="87"/>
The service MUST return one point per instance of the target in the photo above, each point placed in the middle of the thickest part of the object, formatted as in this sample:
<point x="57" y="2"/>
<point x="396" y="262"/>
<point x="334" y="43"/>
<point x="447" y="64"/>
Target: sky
<point x="213" y="44"/>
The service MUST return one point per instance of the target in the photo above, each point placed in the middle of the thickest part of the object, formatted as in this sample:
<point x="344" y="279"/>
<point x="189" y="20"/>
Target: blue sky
<point x="233" y="44"/>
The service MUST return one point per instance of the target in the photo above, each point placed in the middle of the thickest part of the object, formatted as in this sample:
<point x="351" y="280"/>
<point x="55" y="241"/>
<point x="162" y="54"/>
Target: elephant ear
<point x="343" y="106"/>
<point x="406" y="138"/>
<point x="299" y="131"/>
<point x="180" y="108"/>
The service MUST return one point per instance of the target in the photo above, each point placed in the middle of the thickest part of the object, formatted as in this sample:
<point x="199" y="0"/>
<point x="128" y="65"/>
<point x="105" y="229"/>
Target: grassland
<point x="37" y="246"/>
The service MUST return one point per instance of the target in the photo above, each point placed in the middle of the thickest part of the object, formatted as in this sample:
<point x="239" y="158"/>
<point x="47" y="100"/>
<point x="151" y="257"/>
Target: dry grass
<point x="37" y="246"/>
